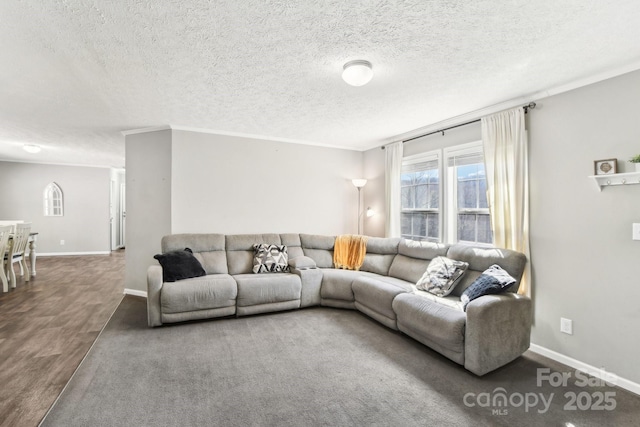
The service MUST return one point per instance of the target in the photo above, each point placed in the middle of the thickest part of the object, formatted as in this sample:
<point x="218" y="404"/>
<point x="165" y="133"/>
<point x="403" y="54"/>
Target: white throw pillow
<point x="442" y="276"/>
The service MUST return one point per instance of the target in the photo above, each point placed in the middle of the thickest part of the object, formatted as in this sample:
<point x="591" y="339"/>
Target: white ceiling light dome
<point x="31" y="148"/>
<point x="358" y="72"/>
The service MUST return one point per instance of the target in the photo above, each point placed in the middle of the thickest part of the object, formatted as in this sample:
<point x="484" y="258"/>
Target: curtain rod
<point x="529" y="106"/>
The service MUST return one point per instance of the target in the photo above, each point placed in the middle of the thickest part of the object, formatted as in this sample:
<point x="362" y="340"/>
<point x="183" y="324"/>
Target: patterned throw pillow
<point x="270" y="258"/>
<point x="442" y="276"/>
<point x="179" y="265"/>
<point x="492" y="281"/>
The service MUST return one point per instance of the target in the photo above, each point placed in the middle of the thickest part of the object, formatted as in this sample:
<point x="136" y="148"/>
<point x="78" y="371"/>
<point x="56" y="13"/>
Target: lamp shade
<point x="357" y="73"/>
<point x="359" y="182"/>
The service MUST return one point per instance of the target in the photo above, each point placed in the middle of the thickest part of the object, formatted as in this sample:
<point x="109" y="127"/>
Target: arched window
<point x="53" y="202"/>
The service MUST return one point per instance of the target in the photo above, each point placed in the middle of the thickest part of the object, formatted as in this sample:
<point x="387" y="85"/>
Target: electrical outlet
<point x="61" y="242"/>
<point x="636" y="231"/>
<point x="566" y="326"/>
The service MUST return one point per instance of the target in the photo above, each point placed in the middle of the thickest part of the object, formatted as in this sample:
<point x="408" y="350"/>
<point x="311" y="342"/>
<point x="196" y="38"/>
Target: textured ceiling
<point x="75" y="73"/>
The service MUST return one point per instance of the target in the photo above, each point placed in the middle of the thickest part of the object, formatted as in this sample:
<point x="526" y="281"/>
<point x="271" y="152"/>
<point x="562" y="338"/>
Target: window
<point x="53" y="202"/>
<point x="420" y="192"/>
<point x="469" y="219"/>
<point x="444" y="196"/>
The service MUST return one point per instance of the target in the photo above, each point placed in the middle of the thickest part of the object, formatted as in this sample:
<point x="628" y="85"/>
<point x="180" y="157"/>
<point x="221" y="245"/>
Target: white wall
<point x="583" y="258"/>
<point x="373" y="192"/>
<point x="148" y="194"/>
<point x="116" y="209"/>
<point x="84" y="227"/>
<point x="226" y="184"/>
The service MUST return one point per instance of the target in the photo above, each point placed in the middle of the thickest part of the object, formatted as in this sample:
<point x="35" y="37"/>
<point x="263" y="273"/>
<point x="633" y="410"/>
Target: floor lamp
<point x="359" y="183"/>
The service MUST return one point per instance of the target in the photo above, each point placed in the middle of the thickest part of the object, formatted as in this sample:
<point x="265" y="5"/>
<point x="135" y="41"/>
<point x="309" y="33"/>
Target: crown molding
<point x="234" y="134"/>
<point x="512" y="103"/>
<point x="145" y="130"/>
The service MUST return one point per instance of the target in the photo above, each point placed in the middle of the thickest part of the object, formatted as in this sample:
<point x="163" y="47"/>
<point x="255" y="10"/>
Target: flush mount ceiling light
<point x="357" y="73"/>
<point x="31" y="148"/>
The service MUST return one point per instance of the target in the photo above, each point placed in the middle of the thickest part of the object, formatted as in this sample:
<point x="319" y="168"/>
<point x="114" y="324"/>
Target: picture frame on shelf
<point x="605" y="167"/>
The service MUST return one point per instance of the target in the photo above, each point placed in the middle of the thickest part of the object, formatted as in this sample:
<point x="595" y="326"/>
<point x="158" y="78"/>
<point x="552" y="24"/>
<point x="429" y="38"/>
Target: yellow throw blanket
<point x="349" y="251"/>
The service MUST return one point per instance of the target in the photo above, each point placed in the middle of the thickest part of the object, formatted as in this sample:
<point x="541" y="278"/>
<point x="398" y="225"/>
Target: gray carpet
<point x="311" y="367"/>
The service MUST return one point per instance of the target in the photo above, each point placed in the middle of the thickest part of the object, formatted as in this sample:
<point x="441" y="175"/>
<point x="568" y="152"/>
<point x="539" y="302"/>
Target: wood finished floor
<point x="47" y="326"/>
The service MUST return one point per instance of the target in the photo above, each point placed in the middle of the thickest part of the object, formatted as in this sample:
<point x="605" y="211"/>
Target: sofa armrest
<point x="302" y="263"/>
<point x="311" y="279"/>
<point x="497" y="331"/>
<point x="154" y="285"/>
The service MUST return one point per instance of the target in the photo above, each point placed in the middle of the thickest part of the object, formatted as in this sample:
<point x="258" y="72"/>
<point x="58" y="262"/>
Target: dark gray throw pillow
<point x="179" y="265"/>
<point x="492" y="281"/>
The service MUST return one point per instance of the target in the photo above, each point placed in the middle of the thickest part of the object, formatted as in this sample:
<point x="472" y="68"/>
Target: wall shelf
<point x="627" y="178"/>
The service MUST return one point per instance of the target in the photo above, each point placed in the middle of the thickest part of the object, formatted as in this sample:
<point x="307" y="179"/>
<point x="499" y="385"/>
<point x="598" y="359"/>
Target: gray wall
<point x="583" y="258"/>
<point x="191" y="182"/>
<point x="148" y="194"/>
<point x="85" y="224"/>
<point x="584" y="261"/>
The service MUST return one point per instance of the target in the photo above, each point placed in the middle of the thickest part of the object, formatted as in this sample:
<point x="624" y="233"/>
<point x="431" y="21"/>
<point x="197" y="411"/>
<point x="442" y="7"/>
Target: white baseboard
<point x="135" y="292"/>
<point x="591" y="370"/>
<point x="73" y="253"/>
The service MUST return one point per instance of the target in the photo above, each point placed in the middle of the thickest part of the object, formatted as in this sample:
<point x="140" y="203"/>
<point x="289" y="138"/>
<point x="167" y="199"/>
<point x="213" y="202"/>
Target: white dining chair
<point x="5" y="232"/>
<point x="17" y="253"/>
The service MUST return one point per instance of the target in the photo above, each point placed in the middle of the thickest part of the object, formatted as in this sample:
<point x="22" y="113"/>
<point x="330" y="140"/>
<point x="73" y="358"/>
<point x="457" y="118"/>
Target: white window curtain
<point x="505" y="150"/>
<point x="393" y="170"/>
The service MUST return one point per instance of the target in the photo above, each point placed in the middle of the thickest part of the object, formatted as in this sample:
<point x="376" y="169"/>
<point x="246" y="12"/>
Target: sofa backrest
<point x="240" y="250"/>
<point x="480" y="258"/>
<point x="380" y="254"/>
<point x="319" y="248"/>
<point x="413" y="258"/>
<point x="293" y="244"/>
<point x="209" y="249"/>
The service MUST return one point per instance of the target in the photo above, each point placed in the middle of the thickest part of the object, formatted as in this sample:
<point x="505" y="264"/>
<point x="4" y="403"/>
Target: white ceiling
<point x="75" y="73"/>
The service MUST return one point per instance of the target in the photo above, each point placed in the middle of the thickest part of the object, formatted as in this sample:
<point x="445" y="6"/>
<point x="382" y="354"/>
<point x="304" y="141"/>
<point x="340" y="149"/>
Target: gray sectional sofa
<point x="493" y="331"/>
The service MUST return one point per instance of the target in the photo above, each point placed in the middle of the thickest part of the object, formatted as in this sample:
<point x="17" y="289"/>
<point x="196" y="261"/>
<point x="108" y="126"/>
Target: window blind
<point x="465" y="159"/>
<point x="420" y="166"/>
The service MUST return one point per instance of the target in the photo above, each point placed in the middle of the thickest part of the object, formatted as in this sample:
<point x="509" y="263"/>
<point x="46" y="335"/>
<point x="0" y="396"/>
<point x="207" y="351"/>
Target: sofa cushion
<point x="492" y="281"/>
<point x="200" y="293"/>
<point x="413" y="259"/>
<point x="380" y="254"/>
<point x="377" y="263"/>
<point x="434" y="324"/>
<point x="316" y="241"/>
<point x="481" y="258"/>
<point x="293" y="244"/>
<point x="270" y="258"/>
<point x="302" y="263"/>
<point x="179" y="265"/>
<point x="255" y="289"/>
<point x="336" y="284"/>
<point x="319" y="248"/>
<point x="377" y="294"/>
<point x="239" y="249"/>
<point x="421" y="250"/>
<point x="449" y="301"/>
<point x="408" y="268"/>
<point x="209" y="249"/>
<point x="441" y="276"/>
